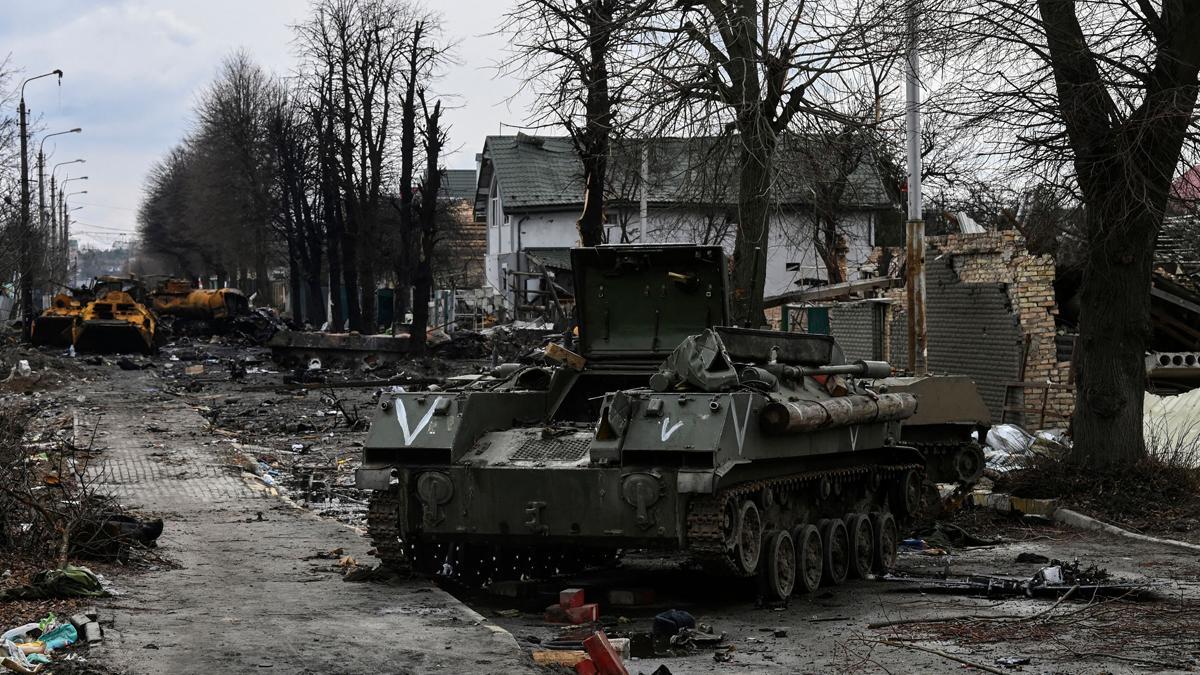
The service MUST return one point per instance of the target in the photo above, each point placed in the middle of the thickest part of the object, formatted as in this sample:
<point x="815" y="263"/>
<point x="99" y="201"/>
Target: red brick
<point x="570" y="597"/>
<point x="605" y="657"/>
<point x="586" y="667"/>
<point x="585" y="613"/>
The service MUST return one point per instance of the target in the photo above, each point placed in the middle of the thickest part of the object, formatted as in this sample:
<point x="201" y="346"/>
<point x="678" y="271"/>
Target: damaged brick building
<point x="990" y="314"/>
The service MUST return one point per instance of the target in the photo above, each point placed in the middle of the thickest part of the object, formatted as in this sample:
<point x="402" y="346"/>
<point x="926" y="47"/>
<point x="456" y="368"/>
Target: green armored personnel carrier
<point x="756" y="452"/>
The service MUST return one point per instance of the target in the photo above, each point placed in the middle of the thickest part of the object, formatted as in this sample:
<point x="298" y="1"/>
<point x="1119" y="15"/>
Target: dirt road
<point x="250" y="595"/>
<point x="245" y="598"/>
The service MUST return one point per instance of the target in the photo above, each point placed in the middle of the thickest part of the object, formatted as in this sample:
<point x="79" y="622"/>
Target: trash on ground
<point x="1053" y="580"/>
<point x="68" y="582"/>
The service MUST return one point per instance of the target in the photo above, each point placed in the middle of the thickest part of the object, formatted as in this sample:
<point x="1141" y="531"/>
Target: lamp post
<point x="47" y="235"/>
<point x="41" y="159"/>
<point x="66" y="228"/>
<point x="26" y="235"/>
<point x="56" y="208"/>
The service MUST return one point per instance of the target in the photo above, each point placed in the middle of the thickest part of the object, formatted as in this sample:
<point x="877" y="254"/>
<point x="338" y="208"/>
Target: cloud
<point x="133" y="70"/>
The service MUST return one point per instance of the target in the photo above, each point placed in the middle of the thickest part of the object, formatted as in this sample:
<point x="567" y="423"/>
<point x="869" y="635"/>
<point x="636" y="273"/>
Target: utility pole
<point x="26" y="262"/>
<point x="918" y="347"/>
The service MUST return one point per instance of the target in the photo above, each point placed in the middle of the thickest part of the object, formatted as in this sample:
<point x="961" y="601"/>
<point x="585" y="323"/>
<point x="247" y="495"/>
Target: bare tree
<point x="357" y="48"/>
<point x="578" y="58"/>
<point x="433" y="139"/>
<point x="293" y="135"/>
<point x="1099" y="97"/>
<point x="750" y="67"/>
<point x="423" y="55"/>
<point x="232" y="194"/>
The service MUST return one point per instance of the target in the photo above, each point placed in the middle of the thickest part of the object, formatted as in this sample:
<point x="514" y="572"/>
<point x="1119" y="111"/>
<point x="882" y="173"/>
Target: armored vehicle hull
<point x="755" y="452"/>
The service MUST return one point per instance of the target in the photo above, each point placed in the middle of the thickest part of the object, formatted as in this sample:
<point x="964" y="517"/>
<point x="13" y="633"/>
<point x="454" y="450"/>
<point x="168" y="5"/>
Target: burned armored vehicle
<point x="756" y="452"/>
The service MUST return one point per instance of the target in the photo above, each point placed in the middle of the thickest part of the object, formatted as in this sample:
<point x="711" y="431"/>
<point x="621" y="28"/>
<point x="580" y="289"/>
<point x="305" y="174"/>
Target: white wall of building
<point x="790" y="253"/>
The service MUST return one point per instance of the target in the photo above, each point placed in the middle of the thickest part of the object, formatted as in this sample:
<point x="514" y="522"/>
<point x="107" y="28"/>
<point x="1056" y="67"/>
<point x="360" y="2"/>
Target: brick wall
<point x="987" y="298"/>
<point x="999" y="260"/>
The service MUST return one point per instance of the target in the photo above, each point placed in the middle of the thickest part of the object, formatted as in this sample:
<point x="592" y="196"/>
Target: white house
<point x="530" y="194"/>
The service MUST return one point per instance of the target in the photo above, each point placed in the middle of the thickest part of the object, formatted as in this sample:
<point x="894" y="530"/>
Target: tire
<point x="810" y="558"/>
<point x="862" y="545"/>
<point x="887" y="539"/>
<point x="781" y="566"/>
<point x="836" y="544"/>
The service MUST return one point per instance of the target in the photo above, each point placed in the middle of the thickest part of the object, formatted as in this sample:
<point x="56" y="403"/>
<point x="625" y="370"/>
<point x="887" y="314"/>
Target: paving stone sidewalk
<point x="245" y="599"/>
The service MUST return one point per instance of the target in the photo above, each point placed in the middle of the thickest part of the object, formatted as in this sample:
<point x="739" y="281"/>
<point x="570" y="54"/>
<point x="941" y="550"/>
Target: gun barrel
<point x="868" y="369"/>
<point x="786" y="417"/>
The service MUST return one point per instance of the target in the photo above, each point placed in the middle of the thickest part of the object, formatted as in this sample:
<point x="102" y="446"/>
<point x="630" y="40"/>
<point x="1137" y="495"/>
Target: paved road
<point x="245" y="599"/>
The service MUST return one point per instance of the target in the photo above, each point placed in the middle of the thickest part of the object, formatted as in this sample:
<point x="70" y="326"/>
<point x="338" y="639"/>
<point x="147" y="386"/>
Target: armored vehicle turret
<point x="753" y="451"/>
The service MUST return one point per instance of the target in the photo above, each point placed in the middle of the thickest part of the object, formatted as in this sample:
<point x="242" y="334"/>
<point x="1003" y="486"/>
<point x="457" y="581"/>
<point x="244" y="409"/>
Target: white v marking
<point x="666" y="432"/>
<point x="739" y="430"/>
<point x="402" y="418"/>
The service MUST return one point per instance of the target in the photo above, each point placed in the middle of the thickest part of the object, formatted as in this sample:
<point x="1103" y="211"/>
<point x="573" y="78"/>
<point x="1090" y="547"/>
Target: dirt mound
<point x="1151" y="495"/>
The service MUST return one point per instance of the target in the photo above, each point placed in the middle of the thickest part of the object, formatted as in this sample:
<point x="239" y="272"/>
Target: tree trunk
<point x="591" y="223"/>
<point x="370" y="322"/>
<point x="593" y="145"/>
<point x="350" y="281"/>
<point x="754" y="228"/>
<point x="262" y="275"/>
<point x="314" y="309"/>
<point x="294" y="285"/>
<point x="1110" y="368"/>
<point x="337" y="318"/>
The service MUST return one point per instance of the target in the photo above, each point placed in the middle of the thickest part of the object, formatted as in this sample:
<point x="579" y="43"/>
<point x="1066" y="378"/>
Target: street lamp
<point x="66" y="228"/>
<point x="26" y="235"/>
<point x="56" y="206"/>
<point x="41" y="160"/>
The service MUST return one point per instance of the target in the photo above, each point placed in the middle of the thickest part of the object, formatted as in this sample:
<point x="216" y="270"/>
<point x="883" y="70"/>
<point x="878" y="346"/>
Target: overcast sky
<point x="132" y="70"/>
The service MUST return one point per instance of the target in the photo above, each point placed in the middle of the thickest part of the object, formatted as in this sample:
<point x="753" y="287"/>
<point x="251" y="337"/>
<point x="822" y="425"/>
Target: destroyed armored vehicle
<point x="755" y="452"/>
<point x="948" y="426"/>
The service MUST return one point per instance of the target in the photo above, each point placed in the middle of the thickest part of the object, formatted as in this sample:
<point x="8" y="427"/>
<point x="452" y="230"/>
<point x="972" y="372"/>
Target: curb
<point x="499" y="635"/>
<point x="1078" y="520"/>
<point x="1049" y="508"/>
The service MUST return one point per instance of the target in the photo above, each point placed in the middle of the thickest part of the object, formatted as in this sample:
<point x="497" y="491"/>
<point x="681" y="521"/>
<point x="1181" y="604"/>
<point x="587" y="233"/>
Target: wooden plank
<point x="832" y="291"/>
<point x="1039" y="385"/>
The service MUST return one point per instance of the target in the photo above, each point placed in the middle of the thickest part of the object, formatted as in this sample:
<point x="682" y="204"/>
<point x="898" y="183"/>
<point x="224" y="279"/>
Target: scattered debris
<point x="68" y="582"/>
<point x="1056" y="579"/>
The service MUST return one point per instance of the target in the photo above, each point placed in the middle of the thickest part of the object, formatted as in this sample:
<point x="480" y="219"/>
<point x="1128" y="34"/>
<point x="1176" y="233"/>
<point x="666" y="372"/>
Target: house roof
<point x="458" y="184"/>
<point x="543" y="173"/>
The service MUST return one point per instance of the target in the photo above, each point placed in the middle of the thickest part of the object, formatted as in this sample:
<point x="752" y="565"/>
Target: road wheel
<point x="781" y="565"/>
<point x="906" y="493"/>
<point x="730" y="529"/>
<point x="836" y="543"/>
<point x="750" y="538"/>
<point x="862" y="545"/>
<point x="810" y="557"/>
<point x="969" y="463"/>
<point x="887" y="539"/>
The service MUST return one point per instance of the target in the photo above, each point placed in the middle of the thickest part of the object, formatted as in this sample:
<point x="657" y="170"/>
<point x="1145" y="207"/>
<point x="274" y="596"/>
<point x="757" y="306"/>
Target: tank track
<point x="385" y="511"/>
<point x="706" y="542"/>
